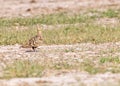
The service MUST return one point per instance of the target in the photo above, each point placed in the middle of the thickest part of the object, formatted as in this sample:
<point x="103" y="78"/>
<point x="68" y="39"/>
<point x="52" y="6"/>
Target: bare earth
<point x="55" y="53"/>
<point x="11" y="53"/>
<point x="12" y="8"/>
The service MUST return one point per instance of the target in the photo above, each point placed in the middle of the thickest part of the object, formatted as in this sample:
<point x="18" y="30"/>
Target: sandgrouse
<point x="35" y="41"/>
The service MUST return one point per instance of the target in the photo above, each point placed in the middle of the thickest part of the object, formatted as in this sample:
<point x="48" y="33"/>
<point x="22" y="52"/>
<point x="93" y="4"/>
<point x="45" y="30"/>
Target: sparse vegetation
<point x="111" y="13"/>
<point x="85" y="31"/>
<point x="59" y="18"/>
<point x="28" y="68"/>
<point x="52" y="19"/>
<point x="67" y="35"/>
<point x="110" y="59"/>
<point x="23" y="69"/>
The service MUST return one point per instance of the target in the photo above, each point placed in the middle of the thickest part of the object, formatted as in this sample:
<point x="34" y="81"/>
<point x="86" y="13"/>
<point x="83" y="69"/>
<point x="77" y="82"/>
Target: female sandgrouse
<point x="35" y="41"/>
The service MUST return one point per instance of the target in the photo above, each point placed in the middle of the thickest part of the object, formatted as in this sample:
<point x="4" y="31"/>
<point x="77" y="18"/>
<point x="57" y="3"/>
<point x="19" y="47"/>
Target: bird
<point x="36" y="40"/>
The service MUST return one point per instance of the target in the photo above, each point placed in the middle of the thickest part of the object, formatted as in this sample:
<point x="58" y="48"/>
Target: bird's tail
<point x="25" y="46"/>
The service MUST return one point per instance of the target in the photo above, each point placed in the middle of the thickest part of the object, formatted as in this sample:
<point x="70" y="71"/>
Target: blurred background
<point x="12" y="8"/>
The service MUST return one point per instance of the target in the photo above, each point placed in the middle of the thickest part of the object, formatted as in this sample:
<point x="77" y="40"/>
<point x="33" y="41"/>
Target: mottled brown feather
<point x="35" y="41"/>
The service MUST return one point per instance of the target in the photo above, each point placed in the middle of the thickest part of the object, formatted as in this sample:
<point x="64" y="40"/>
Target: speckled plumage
<point x="35" y="41"/>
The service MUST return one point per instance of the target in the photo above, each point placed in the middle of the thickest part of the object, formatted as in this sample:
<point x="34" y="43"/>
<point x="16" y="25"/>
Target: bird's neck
<point x="39" y="33"/>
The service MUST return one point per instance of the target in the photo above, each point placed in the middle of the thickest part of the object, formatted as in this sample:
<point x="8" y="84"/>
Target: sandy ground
<point x="13" y="8"/>
<point x="11" y="53"/>
<point x="70" y="79"/>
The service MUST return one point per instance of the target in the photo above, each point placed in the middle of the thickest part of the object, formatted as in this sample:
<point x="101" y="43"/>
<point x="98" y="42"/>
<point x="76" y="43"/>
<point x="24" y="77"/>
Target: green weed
<point x="23" y="69"/>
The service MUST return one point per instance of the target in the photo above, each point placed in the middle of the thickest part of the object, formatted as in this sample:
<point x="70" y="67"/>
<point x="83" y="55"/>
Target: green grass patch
<point x="59" y="18"/>
<point x="51" y="19"/>
<point x="23" y="69"/>
<point x="66" y="35"/>
<point x="110" y="60"/>
<point x="38" y="69"/>
<point x="110" y="64"/>
<point x="87" y="31"/>
<point x="9" y="36"/>
<point x="111" y="13"/>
